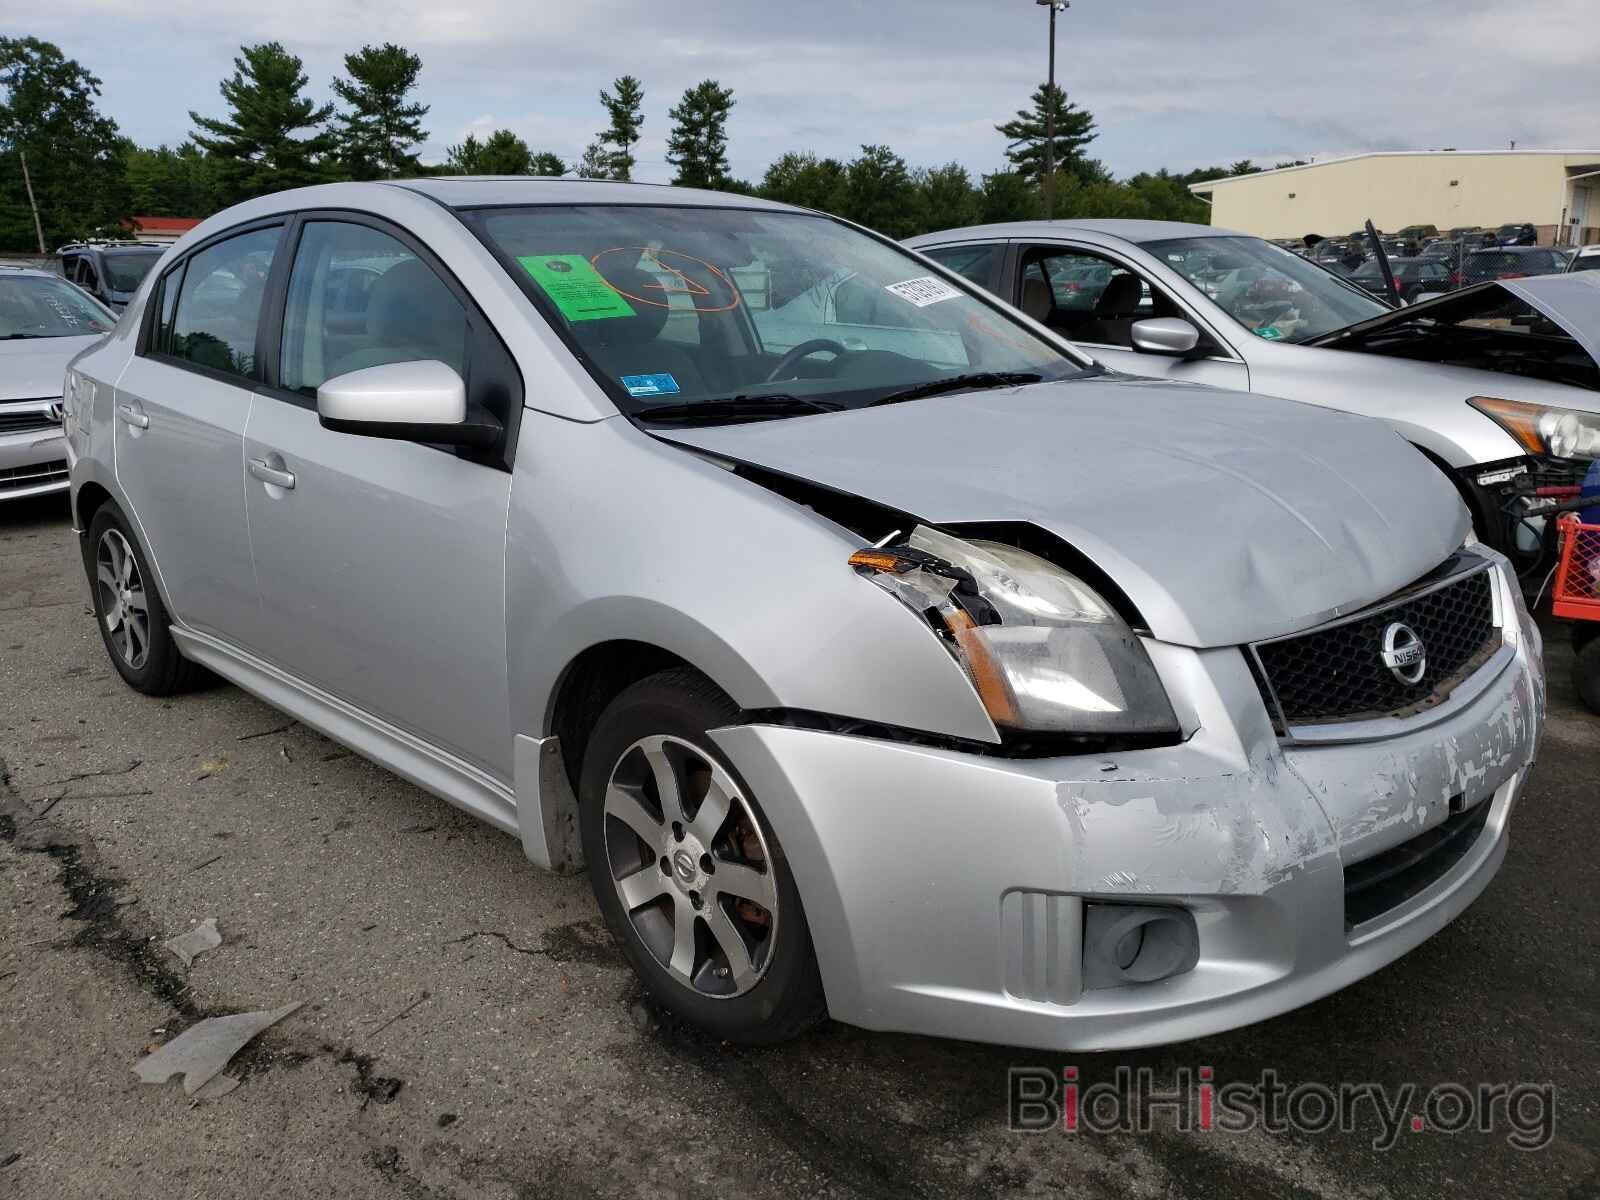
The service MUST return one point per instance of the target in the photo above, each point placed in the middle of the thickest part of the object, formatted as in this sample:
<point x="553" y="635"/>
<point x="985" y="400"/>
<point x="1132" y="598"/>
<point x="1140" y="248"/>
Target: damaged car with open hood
<point x="1498" y="384"/>
<point x="876" y="653"/>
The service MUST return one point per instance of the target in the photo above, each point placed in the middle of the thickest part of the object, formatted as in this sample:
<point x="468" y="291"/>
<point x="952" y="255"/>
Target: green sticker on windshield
<point x="577" y="289"/>
<point x="1271" y="332"/>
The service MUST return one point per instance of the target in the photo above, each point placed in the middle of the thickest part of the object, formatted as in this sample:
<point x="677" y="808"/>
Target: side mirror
<point x="1165" y="335"/>
<point x="422" y="401"/>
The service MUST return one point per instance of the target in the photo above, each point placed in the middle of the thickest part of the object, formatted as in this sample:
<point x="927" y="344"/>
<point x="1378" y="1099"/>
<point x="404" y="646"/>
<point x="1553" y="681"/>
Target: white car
<point x="44" y="322"/>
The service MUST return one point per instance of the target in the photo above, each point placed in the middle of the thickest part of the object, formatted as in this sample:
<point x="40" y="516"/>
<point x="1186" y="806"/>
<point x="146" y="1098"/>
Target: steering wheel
<point x="792" y="359"/>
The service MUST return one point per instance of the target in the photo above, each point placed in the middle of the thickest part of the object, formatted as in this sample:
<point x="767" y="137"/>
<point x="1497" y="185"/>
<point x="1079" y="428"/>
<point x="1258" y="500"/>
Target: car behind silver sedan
<point x="44" y="323"/>
<point x="1499" y="385"/>
<point x="875" y="652"/>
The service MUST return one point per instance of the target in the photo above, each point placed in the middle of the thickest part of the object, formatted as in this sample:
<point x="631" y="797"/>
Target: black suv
<point x="1517" y="235"/>
<point x="109" y="271"/>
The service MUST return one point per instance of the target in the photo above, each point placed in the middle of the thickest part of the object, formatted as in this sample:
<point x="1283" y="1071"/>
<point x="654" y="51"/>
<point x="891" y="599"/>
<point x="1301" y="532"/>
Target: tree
<point x="1008" y="196"/>
<point x="257" y="144"/>
<point x="171" y="183"/>
<point x="806" y="180"/>
<point x="879" y="192"/>
<point x="698" y="143"/>
<point x="946" y="198"/>
<point x="1026" y="135"/>
<point x="1244" y="167"/>
<point x="378" y="133"/>
<point x="546" y="163"/>
<point x="626" y="112"/>
<point x="501" y="153"/>
<point x="60" y="158"/>
<point x="595" y="163"/>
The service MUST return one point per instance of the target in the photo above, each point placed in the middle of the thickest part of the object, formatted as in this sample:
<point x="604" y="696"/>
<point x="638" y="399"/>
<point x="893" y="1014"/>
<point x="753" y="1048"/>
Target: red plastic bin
<point x="1577" y="592"/>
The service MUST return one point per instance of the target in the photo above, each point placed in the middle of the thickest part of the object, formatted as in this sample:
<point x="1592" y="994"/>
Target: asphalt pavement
<point x="468" y="1029"/>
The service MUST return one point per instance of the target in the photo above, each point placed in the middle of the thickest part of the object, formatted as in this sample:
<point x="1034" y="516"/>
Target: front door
<point x="180" y="412"/>
<point x="379" y="562"/>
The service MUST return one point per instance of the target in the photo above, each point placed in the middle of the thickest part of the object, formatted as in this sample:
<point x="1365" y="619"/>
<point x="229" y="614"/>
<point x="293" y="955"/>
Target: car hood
<point x="35" y="368"/>
<point x="1571" y="301"/>
<point x="1224" y="517"/>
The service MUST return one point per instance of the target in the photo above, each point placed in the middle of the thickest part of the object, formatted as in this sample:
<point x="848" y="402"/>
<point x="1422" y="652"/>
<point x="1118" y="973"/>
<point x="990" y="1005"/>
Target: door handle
<point x="133" y="416"/>
<point x="267" y="473"/>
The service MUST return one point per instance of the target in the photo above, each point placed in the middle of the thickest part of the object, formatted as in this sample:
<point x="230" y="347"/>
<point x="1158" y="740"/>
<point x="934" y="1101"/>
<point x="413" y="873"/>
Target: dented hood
<point x="1224" y="517"/>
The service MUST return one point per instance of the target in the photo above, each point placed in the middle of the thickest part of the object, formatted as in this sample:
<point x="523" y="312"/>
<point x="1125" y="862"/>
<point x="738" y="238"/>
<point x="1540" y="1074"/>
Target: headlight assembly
<point x="1043" y="650"/>
<point x="1542" y="429"/>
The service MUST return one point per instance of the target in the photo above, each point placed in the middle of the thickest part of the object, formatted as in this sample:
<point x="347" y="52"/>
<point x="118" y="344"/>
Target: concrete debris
<point x="189" y="946"/>
<point x="200" y="1052"/>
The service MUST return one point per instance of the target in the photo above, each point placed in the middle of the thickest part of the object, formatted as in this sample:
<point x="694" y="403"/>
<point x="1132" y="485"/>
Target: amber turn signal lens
<point x="881" y="560"/>
<point x="987" y="674"/>
<point x="1521" y="421"/>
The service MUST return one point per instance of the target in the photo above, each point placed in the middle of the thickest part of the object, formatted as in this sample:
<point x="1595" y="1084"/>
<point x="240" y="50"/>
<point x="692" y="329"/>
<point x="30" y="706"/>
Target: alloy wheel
<point x="690" y="866"/>
<point x="123" y="606"/>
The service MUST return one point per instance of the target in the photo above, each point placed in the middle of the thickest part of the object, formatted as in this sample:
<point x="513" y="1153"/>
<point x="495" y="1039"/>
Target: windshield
<point x="125" y="272"/>
<point x="669" y="306"/>
<point x="1276" y="295"/>
<point x="32" y="306"/>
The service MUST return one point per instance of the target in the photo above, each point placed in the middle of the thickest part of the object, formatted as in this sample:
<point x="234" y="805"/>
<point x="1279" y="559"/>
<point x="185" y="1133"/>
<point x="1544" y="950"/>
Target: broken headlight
<point x="1542" y="429"/>
<point x="1043" y="650"/>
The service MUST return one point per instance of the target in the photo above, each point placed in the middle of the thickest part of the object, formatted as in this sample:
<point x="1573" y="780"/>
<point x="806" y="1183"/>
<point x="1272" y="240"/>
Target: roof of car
<point x="11" y="270"/>
<point x="1512" y="249"/>
<point x="468" y="191"/>
<point x="1126" y="230"/>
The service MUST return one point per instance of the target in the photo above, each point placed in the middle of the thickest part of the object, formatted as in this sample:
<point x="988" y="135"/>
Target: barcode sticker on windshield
<point x="923" y="292"/>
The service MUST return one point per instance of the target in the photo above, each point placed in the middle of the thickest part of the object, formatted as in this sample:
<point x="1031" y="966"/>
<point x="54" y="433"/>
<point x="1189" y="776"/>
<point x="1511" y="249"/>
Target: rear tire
<point x="688" y="873"/>
<point x="132" y="619"/>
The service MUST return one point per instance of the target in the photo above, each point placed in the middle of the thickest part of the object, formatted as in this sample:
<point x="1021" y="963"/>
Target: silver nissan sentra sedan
<point x="875" y="652"/>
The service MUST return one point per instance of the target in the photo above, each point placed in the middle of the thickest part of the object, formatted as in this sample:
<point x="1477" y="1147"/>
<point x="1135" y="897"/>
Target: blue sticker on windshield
<point x="650" y="385"/>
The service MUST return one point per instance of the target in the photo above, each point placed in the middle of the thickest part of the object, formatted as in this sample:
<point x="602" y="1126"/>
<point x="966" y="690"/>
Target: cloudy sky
<point x="1174" y="83"/>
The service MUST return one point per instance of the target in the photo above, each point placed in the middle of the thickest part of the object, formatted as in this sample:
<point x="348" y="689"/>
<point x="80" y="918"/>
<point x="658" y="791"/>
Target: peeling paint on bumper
<point x="903" y="855"/>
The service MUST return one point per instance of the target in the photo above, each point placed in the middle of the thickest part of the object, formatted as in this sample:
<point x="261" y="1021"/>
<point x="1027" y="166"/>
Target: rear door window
<point x="980" y="263"/>
<point x="219" y="303"/>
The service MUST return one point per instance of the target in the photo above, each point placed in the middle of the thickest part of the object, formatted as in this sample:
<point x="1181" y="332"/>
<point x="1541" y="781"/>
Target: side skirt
<point x="450" y="778"/>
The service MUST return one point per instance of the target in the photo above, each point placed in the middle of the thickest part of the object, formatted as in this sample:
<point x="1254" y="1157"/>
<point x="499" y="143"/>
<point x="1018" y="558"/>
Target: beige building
<point x="1558" y="191"/>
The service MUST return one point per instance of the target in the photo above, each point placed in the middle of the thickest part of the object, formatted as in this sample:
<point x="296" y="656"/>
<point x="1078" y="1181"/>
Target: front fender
<point x="615" y="536"/>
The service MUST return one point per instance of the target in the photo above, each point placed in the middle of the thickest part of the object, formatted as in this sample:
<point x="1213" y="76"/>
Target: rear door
<point x="181" y="408"/>
<point x="380" y="563"/>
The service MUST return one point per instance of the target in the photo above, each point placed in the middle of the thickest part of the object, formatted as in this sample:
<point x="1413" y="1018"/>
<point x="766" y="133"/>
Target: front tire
<point x="688" y="873"/>
<point x="1586" y="670"/>
<point x="128" y="609"/>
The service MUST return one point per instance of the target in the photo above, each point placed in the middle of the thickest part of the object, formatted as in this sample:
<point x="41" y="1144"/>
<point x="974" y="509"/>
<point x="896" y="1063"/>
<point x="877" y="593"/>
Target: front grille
<point x="16" y="478"/>
<point x="25" y="422"/>
<point x="1375" y="885"/>
<point x="1337" y="673"/>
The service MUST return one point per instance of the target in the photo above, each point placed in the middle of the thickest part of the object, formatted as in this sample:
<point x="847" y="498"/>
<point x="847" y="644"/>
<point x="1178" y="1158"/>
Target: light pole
<point x="1054" y="6"/>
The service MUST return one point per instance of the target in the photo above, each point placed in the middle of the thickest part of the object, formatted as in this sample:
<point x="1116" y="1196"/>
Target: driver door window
<point x="358" y="298"/>
<point x="1087" y="298"/>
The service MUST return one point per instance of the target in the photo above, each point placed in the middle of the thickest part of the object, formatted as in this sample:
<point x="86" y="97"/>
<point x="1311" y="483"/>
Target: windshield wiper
<point x="742" y="407"/>
<point x="960" y="383"/>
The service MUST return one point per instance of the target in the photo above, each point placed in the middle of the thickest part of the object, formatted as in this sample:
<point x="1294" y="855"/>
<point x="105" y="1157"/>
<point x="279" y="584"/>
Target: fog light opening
<point x="1136" y="943"/>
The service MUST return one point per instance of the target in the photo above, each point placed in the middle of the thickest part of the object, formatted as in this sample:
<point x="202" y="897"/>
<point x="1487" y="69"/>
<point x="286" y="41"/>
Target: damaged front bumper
<point x="946" y="892"/>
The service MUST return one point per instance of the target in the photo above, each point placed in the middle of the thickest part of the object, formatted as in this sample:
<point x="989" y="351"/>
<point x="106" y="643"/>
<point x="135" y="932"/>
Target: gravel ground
<point x="469" y="1031"/>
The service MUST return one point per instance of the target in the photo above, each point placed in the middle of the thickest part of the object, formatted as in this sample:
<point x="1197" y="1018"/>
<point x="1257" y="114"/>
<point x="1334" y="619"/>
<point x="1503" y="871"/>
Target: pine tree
<point x="378" y="133"/>
<point x="698" y="144"/>
<point x="879" y="192"/>
<point x="546" y="163"/>
<point x="256" y="145"/>
<point x="56" y="145"/>
<point x="1074" y="129"/>
<point x="626" y="112"/>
